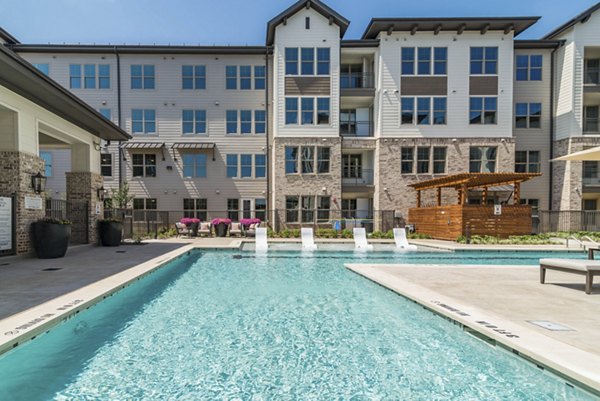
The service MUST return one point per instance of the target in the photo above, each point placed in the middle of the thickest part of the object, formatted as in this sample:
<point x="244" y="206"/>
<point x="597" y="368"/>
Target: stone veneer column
<point x="16" y="169"/>
<point x="83" y="186"/>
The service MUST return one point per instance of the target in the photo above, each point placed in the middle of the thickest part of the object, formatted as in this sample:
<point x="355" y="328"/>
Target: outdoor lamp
<point x="100" y="192"/>
<point x="38" y="182"/>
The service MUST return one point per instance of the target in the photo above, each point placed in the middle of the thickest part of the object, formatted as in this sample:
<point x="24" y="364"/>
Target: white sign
<point x="97" y="208"/>
<point x="497" y="210"/>
<point x="34" y="203"/>
<point x="6" y="224"/>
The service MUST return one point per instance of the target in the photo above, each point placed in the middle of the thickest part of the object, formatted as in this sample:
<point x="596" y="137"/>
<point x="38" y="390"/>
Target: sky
<point x="237" y="22"/>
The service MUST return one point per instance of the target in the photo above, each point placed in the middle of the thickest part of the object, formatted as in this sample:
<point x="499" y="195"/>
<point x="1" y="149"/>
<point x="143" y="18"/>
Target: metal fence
<point x="75" y="211"/>
<point x="566" y="221"/>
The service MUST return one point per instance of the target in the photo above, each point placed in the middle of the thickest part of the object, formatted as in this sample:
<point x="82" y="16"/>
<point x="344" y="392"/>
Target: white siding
<point x="56" y="185"/>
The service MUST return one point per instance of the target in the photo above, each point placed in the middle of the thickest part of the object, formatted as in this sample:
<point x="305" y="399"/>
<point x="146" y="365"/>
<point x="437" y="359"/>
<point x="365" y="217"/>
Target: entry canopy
<point x="474" y="180"/>
<point x="592" y="154"/>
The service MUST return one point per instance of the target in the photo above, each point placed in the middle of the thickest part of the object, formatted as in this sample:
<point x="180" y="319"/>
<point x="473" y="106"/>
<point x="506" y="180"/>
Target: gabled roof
<point x="19" y="76"/>
<point x="482" y="24"/>
<point x="583" y="17"/>
<point x="316" y="5"/>
<point x="7" y="37"/>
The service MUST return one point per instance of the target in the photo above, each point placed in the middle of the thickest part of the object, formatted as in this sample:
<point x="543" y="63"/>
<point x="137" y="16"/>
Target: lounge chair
<point x="308" y="240"/>
<point x="401" y="241"/>
<point x="251" y="231"/>
<point x="204" y="228"/>
<point x="235" y="229"/>
<point x="261" y="244"/>
<point x="587" y="268"/>
<point x="182" y="229"/>
<point x="360" y="240"/>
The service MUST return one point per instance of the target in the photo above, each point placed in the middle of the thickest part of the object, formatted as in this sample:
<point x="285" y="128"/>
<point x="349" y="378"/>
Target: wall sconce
<point x="38" y="183"/>
<point x="217" y="192"/>
<point x="385" y="189"/>
<point x="100" y="192"/>
<point x="170" y="168"/>
<point x="454" y="140"/>
<point x="324" y="189"/>
<point x="502" y="140"/>
<point x="97" y="146"/>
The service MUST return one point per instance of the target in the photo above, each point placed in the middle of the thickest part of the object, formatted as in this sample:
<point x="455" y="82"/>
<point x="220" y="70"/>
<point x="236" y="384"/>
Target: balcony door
<point x="351" y="76"/>
<point x="352" y="166"/>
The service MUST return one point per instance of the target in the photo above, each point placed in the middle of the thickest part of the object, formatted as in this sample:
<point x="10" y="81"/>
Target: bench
<point x="587" y="268"/>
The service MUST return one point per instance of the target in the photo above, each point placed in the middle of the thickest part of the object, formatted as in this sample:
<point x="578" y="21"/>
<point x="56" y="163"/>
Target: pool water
<point x="230" y="326"/>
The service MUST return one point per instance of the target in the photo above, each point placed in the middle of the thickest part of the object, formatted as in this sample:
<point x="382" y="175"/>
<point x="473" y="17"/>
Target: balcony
<point x="354" y="129"/>
<point x="591" y="181"/>
<point x="357" y="177"/>
<point x="357" y="84"/>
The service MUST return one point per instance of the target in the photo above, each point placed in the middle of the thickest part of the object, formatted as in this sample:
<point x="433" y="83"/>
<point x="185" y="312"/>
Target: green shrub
<point x="326" y="233"/>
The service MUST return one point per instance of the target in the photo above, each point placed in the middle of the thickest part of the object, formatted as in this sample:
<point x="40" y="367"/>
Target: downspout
<point x="119" y="113"/>
<point x="267" y="124"/>
<point x="550" y="170"/>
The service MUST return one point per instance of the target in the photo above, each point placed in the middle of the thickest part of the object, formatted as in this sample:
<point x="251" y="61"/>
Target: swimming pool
<point x="228" y="325"/>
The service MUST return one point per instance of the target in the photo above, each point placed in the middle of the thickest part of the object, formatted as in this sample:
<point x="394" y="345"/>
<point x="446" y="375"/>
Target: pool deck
<point x="499" y="302"/>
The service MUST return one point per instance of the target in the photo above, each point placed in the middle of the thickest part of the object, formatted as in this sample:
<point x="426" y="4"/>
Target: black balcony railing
<point x="356" y="80"/>
<point x="357" y="176"/>
<point x="356" y="128"/>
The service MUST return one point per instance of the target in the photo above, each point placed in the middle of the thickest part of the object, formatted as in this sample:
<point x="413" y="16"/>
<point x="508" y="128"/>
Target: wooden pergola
<point x="451" y="221"/>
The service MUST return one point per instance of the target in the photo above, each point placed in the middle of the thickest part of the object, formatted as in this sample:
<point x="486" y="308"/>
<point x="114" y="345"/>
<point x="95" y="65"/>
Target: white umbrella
<point x="592" y="154"/>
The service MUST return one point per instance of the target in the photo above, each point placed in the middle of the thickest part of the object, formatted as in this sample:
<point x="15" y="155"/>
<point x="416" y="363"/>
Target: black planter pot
<point x="111" y="233"/>
<point x="51" y="240"/>
<point x="193" y="227"/>
<point x="221" y="229"/>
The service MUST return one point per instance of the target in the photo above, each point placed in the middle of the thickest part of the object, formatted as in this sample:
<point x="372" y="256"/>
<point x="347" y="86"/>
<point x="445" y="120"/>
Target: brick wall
<point x="83" y="186"/>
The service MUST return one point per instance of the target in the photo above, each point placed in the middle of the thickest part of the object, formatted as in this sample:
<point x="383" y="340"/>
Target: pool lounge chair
<point x="235" y="229"/>
<point x="251" y="230"/>
<point x="261" y="244"/>
<point x="360" y="240"/>
<point x="308" y="240"/>
<point x="401" y="241"/>
<point x="182" y="229"/>
<point x="204" y="228"/>
<point x="587" y="268"/>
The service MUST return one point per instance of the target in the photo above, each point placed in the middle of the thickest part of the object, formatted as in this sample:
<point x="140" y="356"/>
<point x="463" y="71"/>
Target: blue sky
<point x="236" y="22"/>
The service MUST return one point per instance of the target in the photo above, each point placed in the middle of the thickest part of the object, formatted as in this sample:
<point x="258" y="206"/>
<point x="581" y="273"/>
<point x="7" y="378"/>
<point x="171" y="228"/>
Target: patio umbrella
<point x="592" y="154"/>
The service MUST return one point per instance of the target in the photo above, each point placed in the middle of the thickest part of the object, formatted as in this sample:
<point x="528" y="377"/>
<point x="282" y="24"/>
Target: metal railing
<point x="357" y="176"/>
<point x="356" y="80"/>
<point x="591" y="181"/>
<point x="356" y="128"/>
<point x="567" y="221"/>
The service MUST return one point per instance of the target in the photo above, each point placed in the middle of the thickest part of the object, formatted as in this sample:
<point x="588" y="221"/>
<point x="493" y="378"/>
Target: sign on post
<point x="6" y="224"/>
<point x="497" y="210"/>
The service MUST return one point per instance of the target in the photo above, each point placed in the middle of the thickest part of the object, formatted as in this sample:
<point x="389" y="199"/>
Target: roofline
<point x="416" y="20"/>
<point x="8" y="38"/>
<point x="359" y="43"/>
<point x="538" y="44"/>
<point x="317" y="5"/>
<point x="137" y="49"/>
<point x="582" y="17"/>
<point x="102" y="127"/>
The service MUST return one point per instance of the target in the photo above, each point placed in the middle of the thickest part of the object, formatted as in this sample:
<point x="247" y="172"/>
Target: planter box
<point x="111" y="233"/>
<point x="221" y="229"/>
<point x="50" y="240"/>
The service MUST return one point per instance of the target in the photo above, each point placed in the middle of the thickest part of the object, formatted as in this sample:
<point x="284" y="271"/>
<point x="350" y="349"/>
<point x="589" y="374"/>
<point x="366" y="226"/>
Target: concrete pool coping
<point x="572" y="363"/>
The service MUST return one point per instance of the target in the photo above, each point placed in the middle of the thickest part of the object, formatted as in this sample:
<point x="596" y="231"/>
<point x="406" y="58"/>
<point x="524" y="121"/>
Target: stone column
<point x="16" y="169"/>
<point x="83" y="186"/>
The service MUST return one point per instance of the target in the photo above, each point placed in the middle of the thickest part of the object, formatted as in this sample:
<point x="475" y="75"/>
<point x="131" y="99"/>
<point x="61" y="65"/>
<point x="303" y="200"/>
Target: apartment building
<point x="316" y="127"/>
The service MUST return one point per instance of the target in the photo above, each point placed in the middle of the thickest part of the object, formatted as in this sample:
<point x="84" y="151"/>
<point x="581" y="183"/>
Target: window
<point x="260" y="121"/>
<point x="194" y="165"/>
<point x="440" y="60"/>
<point x="291" y="61"/>
<point x="527" y="161"/>
<point x="308" y="110"/>
<point x="246" y="121"/>
<point x="439" y="110"/>
<point x="529" y="68"/>
<point x="259" y="77"/>
<point x="426" y="108"/>
<point x="260" y="166"/>
<point x="106" y="165"/>
<point x="323" y="61"/>
<point x="231" y="77"/>
<point x="528" y="115"/>
<point x="193" y="121"/>
<point x="47" y="158"/>
<point x="408" y="110"/>
<point x="590" y="169"/>
<point x="193" y="77"/>
<point x="591" y="115"/>
<point x="143" y="121"/>
<point x="424" y="61"/>
<point x="323" y="207"/>
<point x="232" y="166"/>
<point x="291" y="110"/>
<point x="144" y="164"/>
<point x="307" y="23"/>
<point x="195" y="207"/>
<point x="89" y="79"/>
<point x="407" y="160"/>
<point x="308" y="209"/>
<point x="75" y="76"/>
<point x="106" y="113"/>
<point x="482" y="159"/>
<point x="308" y="159"/>
<point x="307" y="65"/>
<point x="323" y="155"/>
<point x="103" y="76"/>
<point x="323" y="110"/>
<point x="483" y="110"/>
<point x="589" y="204"/>
<point x="246" y="165"/>
<point x="352" y="166"/>
<point x="42" y="67"/>
<point x="423" y="110"/>
<point x="245" y="77"/>
<point x="232" y="121"/>
<point x="349" y="207"/>
<point x="260" y="209"/>
<point x="592" y="71"/>
<point x="291" y="159"/>
<point x="144" y="204"/>
<point x="233" y="209"/>
<point x="291" y="209"/>
<point x="408" y="61"/>
<point x="484" y="60"/>
<point x="142" y="76"/>
<point x="423" y="160"/>
<point x="439" y="160"/>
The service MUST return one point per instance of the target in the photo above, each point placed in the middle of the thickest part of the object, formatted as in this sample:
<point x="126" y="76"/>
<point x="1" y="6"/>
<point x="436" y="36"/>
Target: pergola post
<point x="484" y="195"/>
<point x="459" y="195"/>
<point x="439" y="196"/>
<point x="517" y="195"/>
<point x="464" y="194"/>
<point x="418" y="198"/>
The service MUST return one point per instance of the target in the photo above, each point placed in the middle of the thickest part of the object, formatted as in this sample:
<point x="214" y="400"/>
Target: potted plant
<point x="221" y="226"/>
<point x="192" y="224"/>
<point x="247" y="222"/>
<point x="111" y="232"/>
<point x="51" y="237"/>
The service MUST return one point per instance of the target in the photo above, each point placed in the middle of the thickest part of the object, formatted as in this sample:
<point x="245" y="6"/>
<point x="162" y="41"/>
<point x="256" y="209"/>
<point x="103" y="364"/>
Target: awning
<point x="592" y="154"/>
<point x="143" y="145"/>
<point x="192" y="145"/>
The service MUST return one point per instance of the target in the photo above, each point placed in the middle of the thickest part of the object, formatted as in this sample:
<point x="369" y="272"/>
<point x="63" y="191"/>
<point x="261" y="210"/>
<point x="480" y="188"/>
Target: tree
<point x="120" y="197"/>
